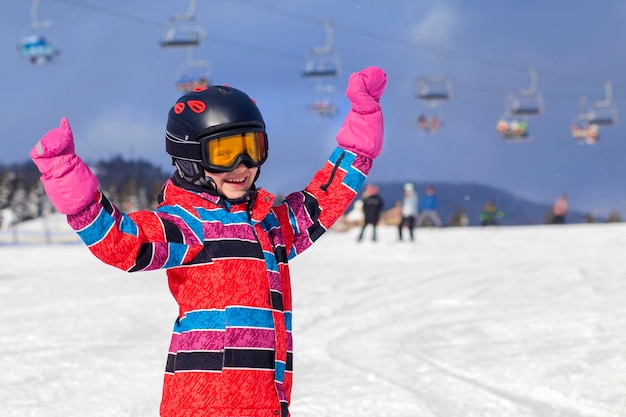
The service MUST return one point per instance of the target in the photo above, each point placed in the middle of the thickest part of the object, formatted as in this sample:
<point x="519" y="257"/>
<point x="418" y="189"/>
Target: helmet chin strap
<point x="198" y="177"/>
<point x="193" y="173"/>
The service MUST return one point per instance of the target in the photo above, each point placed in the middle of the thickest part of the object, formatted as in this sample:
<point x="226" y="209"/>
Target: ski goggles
<point x="225" y="153"/>
<point x="221" y="153"/>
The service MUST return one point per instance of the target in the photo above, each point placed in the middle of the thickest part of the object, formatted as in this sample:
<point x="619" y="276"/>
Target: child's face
<point x="234" y="184"/>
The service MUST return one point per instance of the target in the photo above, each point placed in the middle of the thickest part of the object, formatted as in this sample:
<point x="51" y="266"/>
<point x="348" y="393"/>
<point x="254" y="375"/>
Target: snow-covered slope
<point x="506" y="322"/>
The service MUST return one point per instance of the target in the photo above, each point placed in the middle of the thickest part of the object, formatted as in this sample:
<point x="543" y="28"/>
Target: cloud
<point x="124" y="132"/>
<point x="438" y="25"/>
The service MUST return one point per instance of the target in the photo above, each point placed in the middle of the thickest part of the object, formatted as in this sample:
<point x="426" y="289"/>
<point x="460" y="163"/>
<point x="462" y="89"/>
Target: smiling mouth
<point x="236" y="181"/>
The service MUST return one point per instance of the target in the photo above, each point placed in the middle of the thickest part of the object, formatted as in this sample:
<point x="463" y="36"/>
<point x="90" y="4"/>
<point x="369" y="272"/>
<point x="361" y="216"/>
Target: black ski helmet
<point x="207" y="112"/>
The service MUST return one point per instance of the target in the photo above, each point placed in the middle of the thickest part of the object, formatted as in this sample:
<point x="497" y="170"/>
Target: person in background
<point x="224" y="242"/>
<point x="490" y="214"/>
<point x="559" y="209"/>
<point x="372" y="208"/>
<point x="428" y="208"/>
<point x="408" y="210"/>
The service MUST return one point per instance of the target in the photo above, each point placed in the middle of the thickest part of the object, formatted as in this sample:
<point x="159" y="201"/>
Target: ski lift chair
<point x="321" y="62"/>
<point x="323" y="108"/>
<point x="37" y="45"/>
<point x="525" y="103"/>
<point x="584" y="132"/>
<point x="582" y="129"/>
<point x="182" y="32"/>
<point x="432" y="89"/>
<point x="604" y="113"/>
<point x="193" y="74"/>
<point x="186" y="84"/>
<point x="37" y="49"/>
<point x="429" y="123"/>
<point x="436" y="88"/>
<point x="513" y="130"/>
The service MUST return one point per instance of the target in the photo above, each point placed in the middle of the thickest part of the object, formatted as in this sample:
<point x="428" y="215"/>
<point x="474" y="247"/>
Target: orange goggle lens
<point x="223" y="152"/>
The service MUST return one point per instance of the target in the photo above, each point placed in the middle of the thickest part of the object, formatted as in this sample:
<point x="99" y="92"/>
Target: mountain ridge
<point x="468" y="197"/>
<point x="471" y="197"/>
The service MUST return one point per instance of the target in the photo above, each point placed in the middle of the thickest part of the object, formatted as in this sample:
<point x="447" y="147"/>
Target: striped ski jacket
<point x="227" y="266"/>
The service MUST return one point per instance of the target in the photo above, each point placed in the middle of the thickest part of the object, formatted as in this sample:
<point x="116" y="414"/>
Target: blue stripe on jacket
<point x="98" y="229"/>
<point x="128" y="226"/>
<point x="176" y="254"/>
<point x="191" y="221"/>
<point x="223" y="216"/>
<point x="270" y="261"/>
<point x="354" y="179"/>
<point x="218" y="319"/>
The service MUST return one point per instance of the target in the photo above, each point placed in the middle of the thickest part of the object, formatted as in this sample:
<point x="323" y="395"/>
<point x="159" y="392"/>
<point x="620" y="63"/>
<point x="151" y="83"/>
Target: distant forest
<point x="130" y="184"/>
<point x="135" y="184"/>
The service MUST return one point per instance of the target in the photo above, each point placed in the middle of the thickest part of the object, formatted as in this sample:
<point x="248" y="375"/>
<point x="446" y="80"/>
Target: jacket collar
<point x="257" y="203"/>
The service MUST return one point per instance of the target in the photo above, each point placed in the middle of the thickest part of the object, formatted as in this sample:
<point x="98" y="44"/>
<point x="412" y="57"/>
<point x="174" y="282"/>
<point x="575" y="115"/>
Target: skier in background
<point x="428" y="208"/>
<point x="490" y="214"/>
<point x="559" y="209"/>
<point x="408" y="210"/>
<point x="372" y="208"/>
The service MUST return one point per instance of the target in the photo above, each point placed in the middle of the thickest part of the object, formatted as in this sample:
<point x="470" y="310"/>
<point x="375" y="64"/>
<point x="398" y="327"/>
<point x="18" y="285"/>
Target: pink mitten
<point x="68" y="181"/>
<point x="362" y="130"/>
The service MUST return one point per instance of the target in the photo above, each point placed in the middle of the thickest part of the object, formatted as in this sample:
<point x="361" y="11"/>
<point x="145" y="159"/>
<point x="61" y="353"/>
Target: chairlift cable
<point x="410" y="43"/>
<point x="379" y="36"/>
<point x="111" y="12"/>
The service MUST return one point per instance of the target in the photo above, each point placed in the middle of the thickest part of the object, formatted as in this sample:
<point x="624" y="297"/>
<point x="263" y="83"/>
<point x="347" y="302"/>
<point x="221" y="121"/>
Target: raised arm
<point x="133" y="242"/>
<point x="309" y="213"/>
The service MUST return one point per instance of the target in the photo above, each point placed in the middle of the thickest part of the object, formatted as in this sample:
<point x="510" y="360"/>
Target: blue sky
<point x="116" y="84"/>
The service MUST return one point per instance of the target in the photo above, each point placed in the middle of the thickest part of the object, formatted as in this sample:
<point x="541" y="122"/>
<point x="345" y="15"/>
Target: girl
<point x="223" y="242"/>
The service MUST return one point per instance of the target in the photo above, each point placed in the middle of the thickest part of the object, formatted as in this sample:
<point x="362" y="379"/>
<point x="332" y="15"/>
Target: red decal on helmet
<point x="253" y="100"/>
<point x="179" y="107"/>
<point x="198" y="89"/>
<point x="196" y="106"/>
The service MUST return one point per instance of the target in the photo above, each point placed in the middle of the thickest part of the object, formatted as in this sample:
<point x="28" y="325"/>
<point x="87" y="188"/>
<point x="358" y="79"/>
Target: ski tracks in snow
<point x="450" y="336"/>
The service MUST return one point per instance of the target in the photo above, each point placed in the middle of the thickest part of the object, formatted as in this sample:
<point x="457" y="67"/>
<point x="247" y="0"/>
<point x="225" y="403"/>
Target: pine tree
<point x="128" y="196"/>
<point x="34" y="201"/>
<point x="155" y="190"/>
<point x="18" y="201"/>
<point x="614" y="217"/>
<point x="6" y="188"/>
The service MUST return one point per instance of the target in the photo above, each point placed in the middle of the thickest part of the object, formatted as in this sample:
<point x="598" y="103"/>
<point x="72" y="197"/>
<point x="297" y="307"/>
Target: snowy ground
<point x="475" y="322"/>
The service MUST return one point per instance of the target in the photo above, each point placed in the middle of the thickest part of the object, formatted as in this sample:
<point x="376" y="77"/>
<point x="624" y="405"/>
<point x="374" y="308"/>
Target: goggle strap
<point x="232" y="128"/>
<point x="183" y="149"/>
